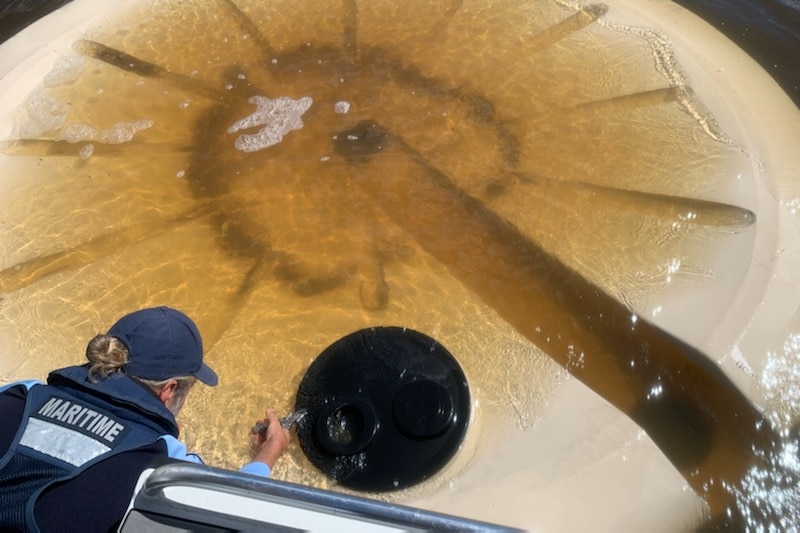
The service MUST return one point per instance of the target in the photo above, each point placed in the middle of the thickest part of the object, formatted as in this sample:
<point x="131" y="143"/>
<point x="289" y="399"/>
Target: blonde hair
<point x="107" y="355"/>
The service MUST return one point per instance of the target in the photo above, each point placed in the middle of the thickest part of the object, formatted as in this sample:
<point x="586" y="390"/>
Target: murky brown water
<point x="566" y="130"/>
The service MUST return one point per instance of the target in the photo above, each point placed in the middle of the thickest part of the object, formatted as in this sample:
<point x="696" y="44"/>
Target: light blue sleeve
<point x="28" y="384"/>
<point x="177" y="450"/>
<point x="256" y="468"/>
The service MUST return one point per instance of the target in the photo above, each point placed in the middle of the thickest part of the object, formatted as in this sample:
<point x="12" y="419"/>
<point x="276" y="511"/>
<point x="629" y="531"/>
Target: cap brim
<point x="206" y="375"/>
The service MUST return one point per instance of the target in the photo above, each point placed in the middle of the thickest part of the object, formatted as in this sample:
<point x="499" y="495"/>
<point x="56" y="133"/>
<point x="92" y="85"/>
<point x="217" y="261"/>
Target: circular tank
<point x="594" y="207"/>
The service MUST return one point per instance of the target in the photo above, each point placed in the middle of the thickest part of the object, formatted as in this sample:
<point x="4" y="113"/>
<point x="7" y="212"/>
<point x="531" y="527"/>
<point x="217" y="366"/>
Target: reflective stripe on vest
<point x="62" y="433"/>
<point x="70" y="430"/>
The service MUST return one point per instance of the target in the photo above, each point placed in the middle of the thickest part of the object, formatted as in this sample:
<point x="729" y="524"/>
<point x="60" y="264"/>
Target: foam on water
<point x="118" y="133"/>
<point x="65" y="70"/>
<point x="44" y="114"/>
<point x="278" y="116"/>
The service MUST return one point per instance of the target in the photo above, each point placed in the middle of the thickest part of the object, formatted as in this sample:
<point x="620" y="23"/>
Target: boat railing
<point x="191" y="497"/>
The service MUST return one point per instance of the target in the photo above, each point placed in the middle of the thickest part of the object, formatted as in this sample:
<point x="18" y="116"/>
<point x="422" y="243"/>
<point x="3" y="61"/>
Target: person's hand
<point x="272" y="442"/>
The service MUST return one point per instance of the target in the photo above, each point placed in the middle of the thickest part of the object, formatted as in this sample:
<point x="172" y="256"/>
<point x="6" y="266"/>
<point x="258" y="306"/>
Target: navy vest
<point x="69" y="425"/>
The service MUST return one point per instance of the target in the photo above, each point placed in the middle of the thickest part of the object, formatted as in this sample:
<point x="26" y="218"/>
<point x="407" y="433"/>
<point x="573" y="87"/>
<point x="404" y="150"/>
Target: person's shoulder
<point x="18" y="388"/>
<point x="12" y="407"/>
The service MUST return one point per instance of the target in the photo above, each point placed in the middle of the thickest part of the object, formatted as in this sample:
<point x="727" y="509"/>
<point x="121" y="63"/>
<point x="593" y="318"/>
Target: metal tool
<point x="286" y="421"/>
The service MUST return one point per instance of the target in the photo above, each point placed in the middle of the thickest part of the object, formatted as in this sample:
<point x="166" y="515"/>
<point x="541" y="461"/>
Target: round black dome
<point x="386" y="408"/>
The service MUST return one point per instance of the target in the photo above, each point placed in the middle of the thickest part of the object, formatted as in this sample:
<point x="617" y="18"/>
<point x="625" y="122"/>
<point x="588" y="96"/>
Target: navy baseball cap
<point x="163" y="343"/>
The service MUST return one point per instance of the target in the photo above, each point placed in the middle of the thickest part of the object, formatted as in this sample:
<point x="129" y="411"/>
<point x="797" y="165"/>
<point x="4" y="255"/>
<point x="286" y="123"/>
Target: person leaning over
<point x="71" y="451"/>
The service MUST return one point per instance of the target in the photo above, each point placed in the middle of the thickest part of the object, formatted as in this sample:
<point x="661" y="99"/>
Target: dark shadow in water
<point x="686" y="404"/>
